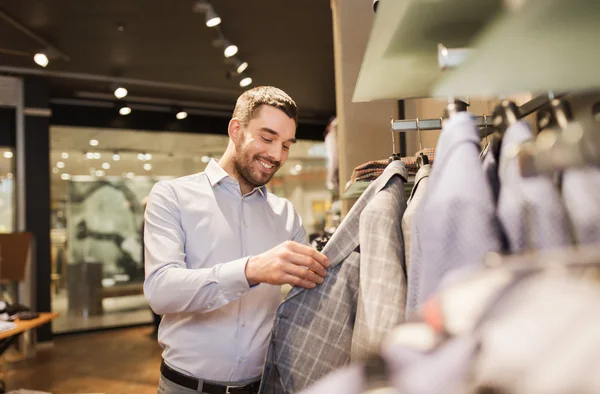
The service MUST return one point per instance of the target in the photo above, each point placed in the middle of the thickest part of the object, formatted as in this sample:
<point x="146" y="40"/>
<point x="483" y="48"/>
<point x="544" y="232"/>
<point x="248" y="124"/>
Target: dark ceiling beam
<point x="118" y="80"/>
<point x="45" y="45"/>
<point x="104" y="114"/>
<point x="190" y="106"/>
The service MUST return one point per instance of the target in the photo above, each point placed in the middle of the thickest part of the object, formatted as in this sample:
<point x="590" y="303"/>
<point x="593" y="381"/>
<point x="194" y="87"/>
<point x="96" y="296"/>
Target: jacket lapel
<point x="346" y="238"/>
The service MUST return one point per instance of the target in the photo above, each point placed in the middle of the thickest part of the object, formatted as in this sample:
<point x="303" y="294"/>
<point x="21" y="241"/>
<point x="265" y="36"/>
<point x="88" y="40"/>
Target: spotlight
<point x="181" y="115"/>
<point x="120" y="92"/>
<point x="147" y="166"/>
<point x="100" y="173"/>
<point x="89" y="155"/>
<point x="65" y="177"/>
<point x="41" y="59"/>
<point x="130" y="175"/>
<point x="212" y="19"/>
<point x="106" y="166"/>
<point x="205" y="159"/>
<point x="60" y="164"/>
<point x="55" y="170"/>
<point x="94" y="142"/>
<point x="64" y="155"/>
<point x="147" y="156"/>
<point x="230" y="49"/>
<point x="245" y="82"/>
<point x="242" y="67"/>
<point x="141" y="156"/>
<point x="8" y="154"/>
<point x="125" y="110"/>
<point x="97" y="155"/>
<point x="116" y="157"/>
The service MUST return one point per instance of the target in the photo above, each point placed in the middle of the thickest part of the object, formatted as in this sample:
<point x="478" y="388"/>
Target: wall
<point x="364" y="128"/>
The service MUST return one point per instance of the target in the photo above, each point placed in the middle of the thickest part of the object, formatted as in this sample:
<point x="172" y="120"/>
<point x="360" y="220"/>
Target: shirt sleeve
<point x="170" y="287"/>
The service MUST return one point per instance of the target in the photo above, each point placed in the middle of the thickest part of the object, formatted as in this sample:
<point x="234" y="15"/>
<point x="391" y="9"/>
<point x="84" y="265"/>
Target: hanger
<point x="395" y="156"/>
<point x="422" y="159"/>
<point x="454" y="106"/>
<point x="557" y="114"/>
<point x="505" y="114"/>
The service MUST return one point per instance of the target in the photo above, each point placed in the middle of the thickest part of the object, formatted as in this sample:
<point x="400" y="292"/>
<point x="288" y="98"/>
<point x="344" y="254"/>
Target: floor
<point x="117" y="361"/>
<point x="118" y="312"/>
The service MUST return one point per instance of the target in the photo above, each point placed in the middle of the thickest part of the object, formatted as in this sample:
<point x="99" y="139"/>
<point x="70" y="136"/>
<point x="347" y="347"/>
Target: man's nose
<point x="275" y="153"/>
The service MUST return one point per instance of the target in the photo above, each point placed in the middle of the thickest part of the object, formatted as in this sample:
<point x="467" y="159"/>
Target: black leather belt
<point x="209" y="388"/>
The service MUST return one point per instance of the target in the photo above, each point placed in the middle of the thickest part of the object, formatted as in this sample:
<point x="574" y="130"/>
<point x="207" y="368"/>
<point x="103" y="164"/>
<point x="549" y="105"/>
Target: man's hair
<point x="249" y="103"/>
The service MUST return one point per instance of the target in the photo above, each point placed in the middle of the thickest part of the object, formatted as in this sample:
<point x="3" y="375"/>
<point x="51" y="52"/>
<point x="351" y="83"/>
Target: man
<point x="218" y="247"/>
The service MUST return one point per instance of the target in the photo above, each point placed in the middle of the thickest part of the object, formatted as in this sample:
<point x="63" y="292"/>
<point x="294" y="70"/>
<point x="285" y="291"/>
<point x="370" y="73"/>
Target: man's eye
<point x="286" y="147"/>
<point x="266" y="139"/>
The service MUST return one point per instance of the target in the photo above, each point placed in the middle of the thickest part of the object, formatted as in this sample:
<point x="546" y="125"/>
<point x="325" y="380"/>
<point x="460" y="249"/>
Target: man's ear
<point x="234" y="129"/>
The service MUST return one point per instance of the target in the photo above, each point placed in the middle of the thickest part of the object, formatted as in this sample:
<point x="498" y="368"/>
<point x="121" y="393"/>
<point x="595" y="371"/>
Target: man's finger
<point x="295" y="281"/>
<point x="308" y="262"/>
<point x="302" y="273"/>
<point x="310" y="251"/>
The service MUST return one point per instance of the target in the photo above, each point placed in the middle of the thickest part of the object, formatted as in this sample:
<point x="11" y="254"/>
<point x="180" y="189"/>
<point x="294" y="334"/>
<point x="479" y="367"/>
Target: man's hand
<point x="288" y="263"/>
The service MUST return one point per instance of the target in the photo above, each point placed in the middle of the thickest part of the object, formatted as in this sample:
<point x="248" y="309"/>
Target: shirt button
<point x="241" y="360"/>
<point x="244" y="324"/>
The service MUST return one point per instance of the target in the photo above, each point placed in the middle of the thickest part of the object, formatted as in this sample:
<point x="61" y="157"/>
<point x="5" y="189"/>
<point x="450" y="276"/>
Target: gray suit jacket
<point x="360" y="300"/>
<point x="581" y="194"/>
<point x="530" y="210"/>
<point x="416" y="196"/>
<point x="455" y="225"/>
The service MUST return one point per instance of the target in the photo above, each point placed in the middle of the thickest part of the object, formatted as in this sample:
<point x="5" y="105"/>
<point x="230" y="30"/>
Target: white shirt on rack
<point x="199" y="233"/>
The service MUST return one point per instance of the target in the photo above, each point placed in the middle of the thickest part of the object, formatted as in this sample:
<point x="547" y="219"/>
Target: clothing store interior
<point x="446" y="163"/>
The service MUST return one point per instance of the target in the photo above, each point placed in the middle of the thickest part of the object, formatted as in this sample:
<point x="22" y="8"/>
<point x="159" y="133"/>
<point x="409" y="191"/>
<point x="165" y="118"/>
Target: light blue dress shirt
<point x="199" y="233"/>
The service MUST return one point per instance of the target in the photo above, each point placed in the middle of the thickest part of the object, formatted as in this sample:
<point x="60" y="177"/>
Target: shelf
<point x="401" y="57"/>
<point x="549" y="45"/>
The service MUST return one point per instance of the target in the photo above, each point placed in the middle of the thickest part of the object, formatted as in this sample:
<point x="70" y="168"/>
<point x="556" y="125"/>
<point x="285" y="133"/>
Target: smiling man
<point x="218" y="247"/>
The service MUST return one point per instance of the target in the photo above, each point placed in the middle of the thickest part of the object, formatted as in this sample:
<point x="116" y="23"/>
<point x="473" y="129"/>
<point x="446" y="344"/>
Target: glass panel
<point x="7" y="190"/>
<point x="99" y="181"/>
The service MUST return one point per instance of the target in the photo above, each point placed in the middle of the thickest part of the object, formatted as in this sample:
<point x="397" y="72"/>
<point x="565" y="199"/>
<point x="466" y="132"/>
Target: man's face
<point x="263" y="146"/>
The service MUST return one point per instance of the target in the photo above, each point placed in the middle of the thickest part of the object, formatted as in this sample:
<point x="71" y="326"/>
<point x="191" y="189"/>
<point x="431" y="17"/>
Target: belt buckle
<point x="227" y="388"/>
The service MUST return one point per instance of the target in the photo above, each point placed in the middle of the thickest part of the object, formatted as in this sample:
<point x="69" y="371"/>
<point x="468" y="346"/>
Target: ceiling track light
<point x="125" y="110"/>
<point x="212" y="19"/>
<point x="245" y="82"/>
<point x="240" y="66"/>
<point x="181" y="114"/>
<point x="120" y="92"/>
<point x="230" y="49"/>
<point x="41" y="59"/>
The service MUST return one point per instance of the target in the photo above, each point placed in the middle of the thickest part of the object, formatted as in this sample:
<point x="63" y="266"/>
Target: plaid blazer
<point x="362" y="297"/>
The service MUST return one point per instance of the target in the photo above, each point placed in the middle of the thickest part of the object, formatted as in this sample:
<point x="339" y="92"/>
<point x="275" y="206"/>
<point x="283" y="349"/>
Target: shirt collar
<point x="216" y="174"/>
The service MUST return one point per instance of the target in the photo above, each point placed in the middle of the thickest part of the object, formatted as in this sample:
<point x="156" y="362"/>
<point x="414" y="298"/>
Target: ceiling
<point x="287" y="44"/>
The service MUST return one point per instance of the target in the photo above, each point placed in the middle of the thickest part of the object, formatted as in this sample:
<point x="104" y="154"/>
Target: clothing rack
<point x="481" y="121"/>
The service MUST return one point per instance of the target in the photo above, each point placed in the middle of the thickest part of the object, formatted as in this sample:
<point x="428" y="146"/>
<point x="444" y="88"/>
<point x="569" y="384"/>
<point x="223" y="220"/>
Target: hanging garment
<point x="496" y="331"/>
<point x="369" y="171"/>
<point x="411" y="161"/>
<point x="530" y="210"/>
<point x="455" y="225"/>
<point x="315" y="330"/>
<point x="490" y="157"/>
<point x="331" y="149"/>
<point x="581" y="195"/>
<point x="416" y="196"/>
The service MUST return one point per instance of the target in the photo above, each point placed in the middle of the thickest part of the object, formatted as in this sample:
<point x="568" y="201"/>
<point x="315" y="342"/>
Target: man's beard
<point x="243" y="165"/>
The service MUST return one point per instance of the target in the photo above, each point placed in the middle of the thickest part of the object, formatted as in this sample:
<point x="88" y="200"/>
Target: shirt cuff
<point x="232" y="276"/>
